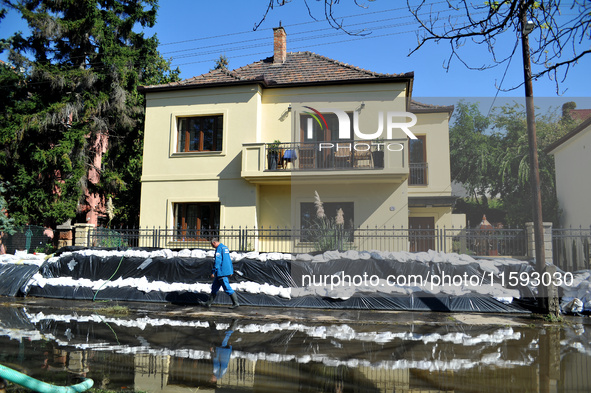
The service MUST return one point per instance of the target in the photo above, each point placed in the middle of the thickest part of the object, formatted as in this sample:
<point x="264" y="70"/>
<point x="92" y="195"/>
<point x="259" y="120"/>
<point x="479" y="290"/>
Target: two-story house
<point x="251" y="147"/>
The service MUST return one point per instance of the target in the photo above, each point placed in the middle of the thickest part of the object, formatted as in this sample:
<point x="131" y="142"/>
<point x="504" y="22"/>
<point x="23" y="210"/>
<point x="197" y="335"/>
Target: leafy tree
<point x="472" y="150"/>
<point x="514" y="165"/>
<point x="490" y="156"/>
<point x="82" y="62"/>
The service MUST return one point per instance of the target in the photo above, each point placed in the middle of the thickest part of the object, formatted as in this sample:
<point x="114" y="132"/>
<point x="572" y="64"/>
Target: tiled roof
<point x="580" y="114"/>
<point x="306" y="67"/>
<point x="212" y="77"/>
<point x="416" y="106"/>
<point x="298" y="68"/>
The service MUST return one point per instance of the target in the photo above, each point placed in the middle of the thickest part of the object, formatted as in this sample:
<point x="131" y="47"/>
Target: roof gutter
<point x="270" y="84"/>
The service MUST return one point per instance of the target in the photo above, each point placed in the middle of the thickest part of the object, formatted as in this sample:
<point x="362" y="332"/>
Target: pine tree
<point x="77" y="100"/>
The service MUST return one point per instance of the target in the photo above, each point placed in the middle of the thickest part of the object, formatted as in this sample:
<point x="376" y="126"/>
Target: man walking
<point x="222" y="269"/>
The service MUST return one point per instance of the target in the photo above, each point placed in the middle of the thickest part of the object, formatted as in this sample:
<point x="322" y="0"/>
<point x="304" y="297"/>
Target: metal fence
<point x="508" y="242"/>
<point x="487" y="242"/>
<point x="28" y="238"/>
<point x="571" y="248"/>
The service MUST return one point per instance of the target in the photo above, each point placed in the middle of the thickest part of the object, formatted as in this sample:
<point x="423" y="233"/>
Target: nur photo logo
<point x="388" y="123"/>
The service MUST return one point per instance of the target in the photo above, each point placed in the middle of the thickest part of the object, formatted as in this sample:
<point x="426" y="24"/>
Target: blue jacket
<point x="222" y="264"/>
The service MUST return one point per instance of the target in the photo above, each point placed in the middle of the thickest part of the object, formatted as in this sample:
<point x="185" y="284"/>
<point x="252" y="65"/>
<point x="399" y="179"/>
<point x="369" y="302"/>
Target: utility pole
<point x="544" y="293"/>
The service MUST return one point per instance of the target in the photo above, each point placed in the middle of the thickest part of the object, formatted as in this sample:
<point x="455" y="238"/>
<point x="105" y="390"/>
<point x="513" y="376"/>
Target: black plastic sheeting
<point x="169" y="270"/>
<point x="12" y="318"/>
<point x="283" y="273"/>
<point x="414" y="302"/>
<point x="13" y="277"/>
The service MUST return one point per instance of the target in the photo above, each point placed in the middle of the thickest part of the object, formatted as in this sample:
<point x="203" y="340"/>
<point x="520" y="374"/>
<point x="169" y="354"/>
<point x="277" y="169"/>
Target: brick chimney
<point x="279" y="49"/>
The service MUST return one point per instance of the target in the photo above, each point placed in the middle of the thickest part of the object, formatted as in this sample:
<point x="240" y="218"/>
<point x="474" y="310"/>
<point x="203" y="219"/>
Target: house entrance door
<point x="421" y="233"/>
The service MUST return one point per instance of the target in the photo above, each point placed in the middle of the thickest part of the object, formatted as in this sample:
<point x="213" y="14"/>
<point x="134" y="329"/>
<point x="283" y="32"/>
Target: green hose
<point x="112" y="275"/>
<point x="39" y="386"/>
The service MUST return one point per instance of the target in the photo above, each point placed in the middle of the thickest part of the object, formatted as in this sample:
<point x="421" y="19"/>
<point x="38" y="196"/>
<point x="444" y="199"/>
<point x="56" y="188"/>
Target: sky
<point x="193" y="34"/>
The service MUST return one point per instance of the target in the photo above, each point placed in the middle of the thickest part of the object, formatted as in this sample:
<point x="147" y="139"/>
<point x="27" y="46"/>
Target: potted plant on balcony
<point x="378" y="154"/>
<point x="273" y="155"/>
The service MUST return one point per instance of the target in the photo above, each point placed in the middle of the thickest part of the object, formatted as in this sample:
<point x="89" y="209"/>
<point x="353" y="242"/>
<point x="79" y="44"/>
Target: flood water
<point x="181" y="354"/>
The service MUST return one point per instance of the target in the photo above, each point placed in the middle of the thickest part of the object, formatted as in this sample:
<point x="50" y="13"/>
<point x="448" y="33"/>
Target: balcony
<point x="362" y="161"/>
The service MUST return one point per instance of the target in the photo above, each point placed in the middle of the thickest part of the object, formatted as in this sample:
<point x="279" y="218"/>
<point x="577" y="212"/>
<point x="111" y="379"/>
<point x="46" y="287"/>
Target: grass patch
<point x="547" y="318"/>
<point x="552" y="318"/>
<point x="114" y="310"/>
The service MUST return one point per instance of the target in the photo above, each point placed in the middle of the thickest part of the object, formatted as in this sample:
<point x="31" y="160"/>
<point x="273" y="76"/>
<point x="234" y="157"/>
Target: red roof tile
<point x="298" y="68"/>
<point x="580" y="114"/>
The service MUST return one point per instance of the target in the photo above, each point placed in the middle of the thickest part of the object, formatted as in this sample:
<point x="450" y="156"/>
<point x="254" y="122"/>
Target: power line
<point x="292" y="25"/>
<point x="336" y="33"/>
<point x="291" y="35"/>
<point x="317" y="37"/>
<point x="308" y="46"/>
<point x="99" y="65"/>
<point x="219" y="47"/>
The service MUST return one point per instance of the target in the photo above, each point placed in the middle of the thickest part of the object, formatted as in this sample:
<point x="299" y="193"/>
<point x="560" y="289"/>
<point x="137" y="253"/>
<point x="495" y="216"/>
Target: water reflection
<point x="176" y="355"/>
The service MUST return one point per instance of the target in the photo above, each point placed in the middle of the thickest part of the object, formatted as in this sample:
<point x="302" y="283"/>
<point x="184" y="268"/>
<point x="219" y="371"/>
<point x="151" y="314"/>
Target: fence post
<point x="64" y="234"/>
<point x="241" y="239"/>
<point x="531" y="250"/>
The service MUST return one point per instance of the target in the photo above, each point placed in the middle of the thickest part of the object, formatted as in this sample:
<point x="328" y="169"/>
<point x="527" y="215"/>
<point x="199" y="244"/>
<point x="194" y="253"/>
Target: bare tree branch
<point x="329" y="14"/>
<point x="561" y="38"/>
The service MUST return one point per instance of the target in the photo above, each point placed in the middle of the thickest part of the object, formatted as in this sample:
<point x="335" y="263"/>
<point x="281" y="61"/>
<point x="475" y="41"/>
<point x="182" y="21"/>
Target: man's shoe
<point x="234" y="300"/>
<point x="209" y="301"/>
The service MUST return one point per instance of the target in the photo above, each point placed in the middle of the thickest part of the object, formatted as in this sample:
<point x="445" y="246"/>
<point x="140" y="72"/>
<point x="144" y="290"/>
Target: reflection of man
<point x="221" y="356"/>
<point x="222" y="269"/>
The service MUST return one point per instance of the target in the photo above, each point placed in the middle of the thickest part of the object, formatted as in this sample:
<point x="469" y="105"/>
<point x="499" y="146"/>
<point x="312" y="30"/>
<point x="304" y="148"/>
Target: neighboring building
<point x="572" y="157"/>
<point x="580" y="114"/>
<point x="210" y="160"/>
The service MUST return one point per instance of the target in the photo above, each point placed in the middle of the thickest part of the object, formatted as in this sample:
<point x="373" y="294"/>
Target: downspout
<point x="39" y="386"/>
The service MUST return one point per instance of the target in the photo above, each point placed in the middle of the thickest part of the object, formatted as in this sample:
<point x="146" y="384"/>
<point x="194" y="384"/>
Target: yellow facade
<point x="252" y="196"/>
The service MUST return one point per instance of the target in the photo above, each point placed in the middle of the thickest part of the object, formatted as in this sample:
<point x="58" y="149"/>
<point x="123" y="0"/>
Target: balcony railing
<point x="418" y="174"/>
<point x="276" y="163"/>
<point x="327" y="155"/>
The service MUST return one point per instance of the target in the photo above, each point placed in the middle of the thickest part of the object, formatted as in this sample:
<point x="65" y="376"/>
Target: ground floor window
<point x="197" y="221"/>
<point x="313" y="228"/>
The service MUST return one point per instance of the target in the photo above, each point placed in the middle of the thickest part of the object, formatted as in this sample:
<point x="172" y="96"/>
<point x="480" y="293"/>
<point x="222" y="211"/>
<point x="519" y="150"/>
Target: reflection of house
<point x="572" y="157"/>
<point x="169" y="374"/>
<point x="210" y="160"/>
